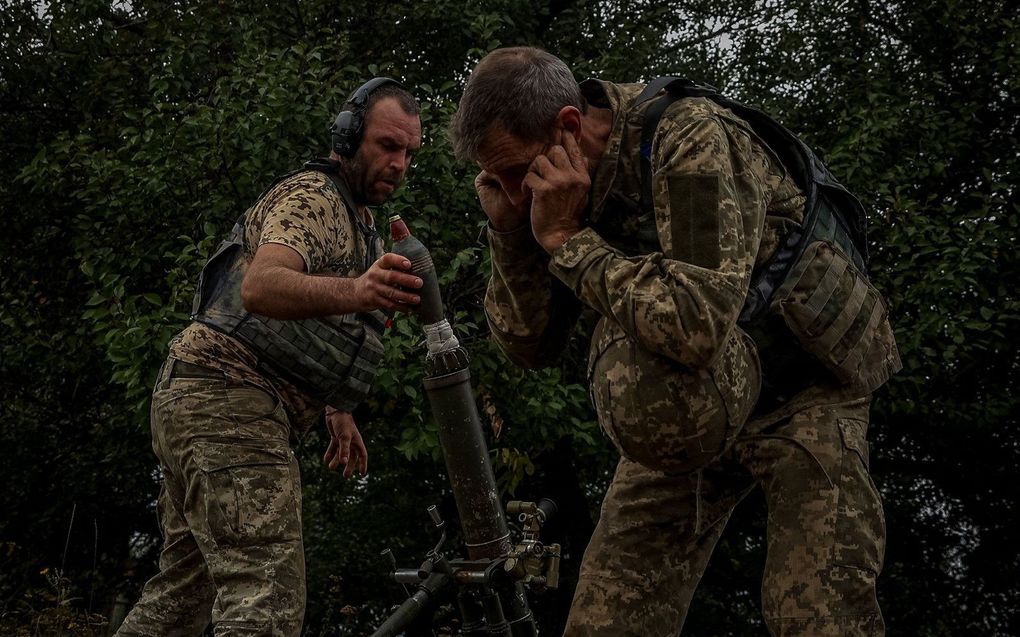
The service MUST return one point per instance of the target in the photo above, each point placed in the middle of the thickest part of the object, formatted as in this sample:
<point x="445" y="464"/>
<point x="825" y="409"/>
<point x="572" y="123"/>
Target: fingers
<point x="346" y="445"/>
<point x="558" y="157"/>
<point x="485" y="180"/>
<point x="391" y="298"/>
<point x="502" y="199"/>
<point x="565" y="156"/>
<point x="391" y="280"/>
<point x="334" y="427"/>
<point x="533" y="182"/>
<point x="335" y="456"/>
<point x="394" y="270"/>
<point x="345" y="454"/>
<point x="389" y="285"/>
<point x="360" y="452"/>
<point x="557" y="168"/>
<point x="330" y="457"/>
<point x="573" y="152"/>
<point x="542" y="166"/>
<point x="490" y="194"/>
<point x="559" y="182"/>
<point x="392" y="261"/>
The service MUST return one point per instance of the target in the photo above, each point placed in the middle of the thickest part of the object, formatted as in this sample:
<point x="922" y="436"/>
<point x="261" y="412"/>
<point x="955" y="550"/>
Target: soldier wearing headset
<point x="287" y="322"/>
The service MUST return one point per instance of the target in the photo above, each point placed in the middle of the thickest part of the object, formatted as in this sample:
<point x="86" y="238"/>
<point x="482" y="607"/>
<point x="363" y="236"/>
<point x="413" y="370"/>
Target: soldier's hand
<point x="503" y="214"/>
<point x="558" y="182"/>
<point x="388" y="285"/>
<point x="346" y="446"/>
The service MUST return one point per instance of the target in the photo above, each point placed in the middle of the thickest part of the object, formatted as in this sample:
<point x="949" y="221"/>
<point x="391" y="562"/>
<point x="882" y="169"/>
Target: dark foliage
<point x="131" y="134"/>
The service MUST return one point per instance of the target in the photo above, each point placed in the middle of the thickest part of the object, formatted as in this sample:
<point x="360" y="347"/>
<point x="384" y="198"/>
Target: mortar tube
<point x="467" y="464"/>
<point x="453" y="406"/>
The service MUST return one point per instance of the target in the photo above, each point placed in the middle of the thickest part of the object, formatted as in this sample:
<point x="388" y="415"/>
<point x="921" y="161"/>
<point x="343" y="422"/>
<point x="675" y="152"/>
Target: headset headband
<point x="347" y="128"/>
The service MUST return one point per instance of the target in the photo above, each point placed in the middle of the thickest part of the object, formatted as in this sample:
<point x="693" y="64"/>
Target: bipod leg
<point x="495" y="621"/>
<point x="413" y="606"/>
<point x="522" y="620"/>
<point x="471" y="613"/>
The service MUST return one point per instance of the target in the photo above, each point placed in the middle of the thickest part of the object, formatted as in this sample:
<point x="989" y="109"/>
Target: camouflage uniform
<point x="230" y="503"/>
<point x="701" y="411"/>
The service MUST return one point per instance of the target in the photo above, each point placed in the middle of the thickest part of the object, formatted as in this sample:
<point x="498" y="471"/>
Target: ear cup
<point x="346" y="129"/>
<point x="345" y="132"/>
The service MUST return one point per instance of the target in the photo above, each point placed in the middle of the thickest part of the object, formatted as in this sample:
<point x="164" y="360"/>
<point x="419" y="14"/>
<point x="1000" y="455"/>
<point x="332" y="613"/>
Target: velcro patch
<point x="694" y="219"/>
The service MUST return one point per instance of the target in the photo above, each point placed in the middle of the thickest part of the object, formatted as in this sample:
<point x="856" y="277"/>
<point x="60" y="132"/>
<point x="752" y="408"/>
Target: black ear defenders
<point x="347" y="128"/>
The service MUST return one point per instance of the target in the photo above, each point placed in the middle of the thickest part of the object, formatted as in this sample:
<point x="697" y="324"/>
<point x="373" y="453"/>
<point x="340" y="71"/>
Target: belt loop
<point x="163" y="375"/>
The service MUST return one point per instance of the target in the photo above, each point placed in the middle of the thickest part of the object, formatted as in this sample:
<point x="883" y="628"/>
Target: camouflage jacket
<point x="722" y="202"/>
<point x="303" y="212"/>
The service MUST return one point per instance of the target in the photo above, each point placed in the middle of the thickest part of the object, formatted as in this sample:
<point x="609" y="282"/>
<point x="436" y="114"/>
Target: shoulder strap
<point x="676" y="88"/>
<point x="804" y="166"/>
<point x="331" y="168"/>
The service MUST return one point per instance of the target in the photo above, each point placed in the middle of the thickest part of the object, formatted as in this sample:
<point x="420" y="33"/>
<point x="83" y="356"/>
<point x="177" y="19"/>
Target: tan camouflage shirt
<point x="721" y="202"/>
<point x="306" y="213"/>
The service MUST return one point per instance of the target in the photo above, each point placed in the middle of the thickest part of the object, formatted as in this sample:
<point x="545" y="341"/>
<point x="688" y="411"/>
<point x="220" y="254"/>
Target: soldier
<point x="287" y="320"/>
<point x="660" y="224"/>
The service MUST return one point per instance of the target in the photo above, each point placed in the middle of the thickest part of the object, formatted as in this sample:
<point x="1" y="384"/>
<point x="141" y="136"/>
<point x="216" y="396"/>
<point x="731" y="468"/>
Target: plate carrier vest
<point x="817" y="278"/>
<point x="334" y="358"/>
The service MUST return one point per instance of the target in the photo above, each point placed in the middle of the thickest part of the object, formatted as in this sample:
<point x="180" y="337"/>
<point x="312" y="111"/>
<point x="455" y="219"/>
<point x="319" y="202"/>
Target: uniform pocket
<point x="251" y="490"/>
<point x="839" y="317"/>
<point x="860" y="521"/>
<point x="250" y="404"/>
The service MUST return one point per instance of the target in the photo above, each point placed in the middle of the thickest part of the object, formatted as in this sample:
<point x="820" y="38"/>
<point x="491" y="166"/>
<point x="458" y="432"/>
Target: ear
<point x="569" y="118"/>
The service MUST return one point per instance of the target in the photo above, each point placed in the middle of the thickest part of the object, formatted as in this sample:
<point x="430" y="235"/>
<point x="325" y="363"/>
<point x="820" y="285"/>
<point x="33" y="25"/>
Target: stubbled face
<point x="390" y="139"/>
<point x="507" y="157"/>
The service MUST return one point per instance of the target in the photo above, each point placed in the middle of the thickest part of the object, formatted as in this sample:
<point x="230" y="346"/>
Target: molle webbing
<point x="838" y="317"/>
<point x="334" y="359"/>
<point x="816" y="279"/>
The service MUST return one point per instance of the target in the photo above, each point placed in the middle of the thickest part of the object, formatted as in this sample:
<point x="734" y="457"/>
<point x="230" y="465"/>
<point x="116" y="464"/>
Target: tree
<point x="134" y="133"/>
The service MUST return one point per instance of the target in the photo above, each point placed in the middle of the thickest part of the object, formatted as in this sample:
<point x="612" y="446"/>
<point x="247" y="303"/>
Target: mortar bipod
<point x="489" y="593"/>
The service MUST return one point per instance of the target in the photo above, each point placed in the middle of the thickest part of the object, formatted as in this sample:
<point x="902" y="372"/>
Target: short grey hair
<point x="522" y="89"/>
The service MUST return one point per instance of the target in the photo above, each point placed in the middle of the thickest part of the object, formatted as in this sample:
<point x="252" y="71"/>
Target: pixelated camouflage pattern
<point x="674" y="381"/>
<point x="668" y="303"/>
<point x="825" y="533"/>
<point x="666" y="416"/>
<point x="303" y="212"/>
<point x="667" y="315"/>
<point x="230" y="512"/>
<point x="712" y="186"/>
<point x="522" y="300"/>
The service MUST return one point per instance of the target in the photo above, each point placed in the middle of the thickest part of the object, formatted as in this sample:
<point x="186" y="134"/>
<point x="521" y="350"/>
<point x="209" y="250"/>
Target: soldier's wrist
<point x="508" y="228"/>
<point x="555" y="240"/>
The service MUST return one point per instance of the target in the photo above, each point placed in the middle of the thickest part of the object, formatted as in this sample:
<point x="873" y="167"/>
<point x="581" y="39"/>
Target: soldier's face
<point x="508" y="157"/>
<point x="389" y="142"/>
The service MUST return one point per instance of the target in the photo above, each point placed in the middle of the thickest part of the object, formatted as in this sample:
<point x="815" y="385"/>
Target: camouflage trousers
<point x="826" y="532"/>
<point x="230" y="513"/>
